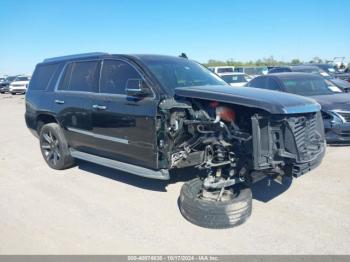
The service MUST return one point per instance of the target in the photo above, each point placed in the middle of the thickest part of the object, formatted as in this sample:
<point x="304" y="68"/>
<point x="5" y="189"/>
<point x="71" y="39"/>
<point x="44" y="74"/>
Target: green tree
<point x="295" y="61"/>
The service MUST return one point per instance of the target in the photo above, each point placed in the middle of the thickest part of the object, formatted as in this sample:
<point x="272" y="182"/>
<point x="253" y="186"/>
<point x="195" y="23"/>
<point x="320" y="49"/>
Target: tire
<point x="12" y="93"/>
<point x="214" y="214"/>
<point x="54" y="147"/>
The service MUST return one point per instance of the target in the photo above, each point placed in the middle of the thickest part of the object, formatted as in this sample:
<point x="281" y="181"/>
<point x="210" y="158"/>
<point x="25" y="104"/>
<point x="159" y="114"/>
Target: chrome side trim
<point x="88" y="133"/>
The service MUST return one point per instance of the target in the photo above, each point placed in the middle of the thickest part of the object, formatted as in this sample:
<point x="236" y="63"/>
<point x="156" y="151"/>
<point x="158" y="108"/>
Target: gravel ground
<point x="91" y="209"/>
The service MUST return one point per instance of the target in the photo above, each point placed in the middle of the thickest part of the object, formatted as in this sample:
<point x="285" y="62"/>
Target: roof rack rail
<point x="59" y="58"/>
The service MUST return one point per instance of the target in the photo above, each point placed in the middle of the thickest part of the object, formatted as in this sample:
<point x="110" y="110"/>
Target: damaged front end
<point x="236" y="144"/>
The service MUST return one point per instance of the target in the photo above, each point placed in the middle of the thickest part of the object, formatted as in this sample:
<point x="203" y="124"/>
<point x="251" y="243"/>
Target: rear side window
<point x="114" y="76"/>
<point x="259" y="82"/>
<point x="42" y="76"/>
<point x="81" y="76"/>
<point x="272" y="85"/>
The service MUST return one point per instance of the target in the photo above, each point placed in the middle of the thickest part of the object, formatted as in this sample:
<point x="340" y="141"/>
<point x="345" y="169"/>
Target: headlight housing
<point x="333" y="117"/>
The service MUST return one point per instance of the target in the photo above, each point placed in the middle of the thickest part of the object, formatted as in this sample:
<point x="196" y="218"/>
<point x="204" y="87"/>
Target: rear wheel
<point x="54" y="147"/>
<point x="234" y="209"/>
<point x="13" y="93"/>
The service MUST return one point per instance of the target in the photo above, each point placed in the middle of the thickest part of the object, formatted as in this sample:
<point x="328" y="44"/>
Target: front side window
<point x="258" y="82"/>
<point x="115" y="75"/>
<point x="81" y="76"/>
<point x="272" y="84"/>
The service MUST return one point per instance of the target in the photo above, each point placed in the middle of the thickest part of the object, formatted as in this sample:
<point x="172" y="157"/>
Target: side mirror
<point x="135" y="87"/>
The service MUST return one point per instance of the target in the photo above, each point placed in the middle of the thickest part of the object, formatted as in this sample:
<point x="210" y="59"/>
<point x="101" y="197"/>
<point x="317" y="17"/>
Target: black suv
<point x="148" y="114"/>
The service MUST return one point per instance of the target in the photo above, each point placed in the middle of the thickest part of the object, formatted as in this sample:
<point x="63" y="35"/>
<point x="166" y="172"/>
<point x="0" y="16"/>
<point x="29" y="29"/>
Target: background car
<point x="4" y="85"/>
<point x="334" y="72"/>
<point x="252" y="71"/>
<point x="313" y="69"/>
<point x="335" y="104"/>
<point x="235" y="79"/>
<point x="221" y="69"/>
<point x="19" y="85"/>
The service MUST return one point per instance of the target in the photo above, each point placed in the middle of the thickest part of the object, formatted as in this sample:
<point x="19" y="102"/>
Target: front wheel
<point x="232" y="211"/>
<point x="13" y="93"/>
<point x="54" y="147"/>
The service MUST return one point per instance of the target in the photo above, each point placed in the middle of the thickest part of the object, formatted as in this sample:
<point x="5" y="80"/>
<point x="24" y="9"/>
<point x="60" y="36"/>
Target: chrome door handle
<point x="99" y="107"/>
<point x="59" y="101"/>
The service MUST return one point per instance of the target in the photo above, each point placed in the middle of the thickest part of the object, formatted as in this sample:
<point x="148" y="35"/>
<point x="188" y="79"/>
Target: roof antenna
<point x="183" y="55"/>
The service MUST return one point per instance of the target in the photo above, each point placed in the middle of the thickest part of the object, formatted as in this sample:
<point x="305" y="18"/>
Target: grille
<point x="18" y="85"/>
<point x="307" y="139"/>
<point x="345" y="115"/>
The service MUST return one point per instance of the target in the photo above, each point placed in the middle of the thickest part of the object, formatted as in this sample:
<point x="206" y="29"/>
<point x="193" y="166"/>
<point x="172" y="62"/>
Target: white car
<point x="19" y="85"/>
<point x="222" y="69"/>
<point x="235" y="79"/>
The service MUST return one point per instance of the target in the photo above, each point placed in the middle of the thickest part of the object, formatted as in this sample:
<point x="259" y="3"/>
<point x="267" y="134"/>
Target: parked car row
<point x="314" y="69"/>
<point x="335" y="104"/>
<point x="317" y="81"/>
<point x="14" y="84"/>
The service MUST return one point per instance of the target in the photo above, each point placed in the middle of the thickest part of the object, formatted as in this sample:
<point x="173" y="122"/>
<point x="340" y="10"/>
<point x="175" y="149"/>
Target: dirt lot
<point x="93" y="210"/>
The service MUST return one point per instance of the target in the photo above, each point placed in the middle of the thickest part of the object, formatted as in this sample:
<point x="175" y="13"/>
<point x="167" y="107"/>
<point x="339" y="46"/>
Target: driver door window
<point x="115" y="75"/>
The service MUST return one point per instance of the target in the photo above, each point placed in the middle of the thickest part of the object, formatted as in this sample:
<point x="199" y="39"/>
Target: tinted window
<point x="272" y="84"/>
<point x="10" y="78"/>
<point x="115" y="75"/>
<point x="42" y="76"/>
<point x="279" y="70"/>
<point x="258" y="82"/>
<point x="179" y="72"/>
<point x="81" y="76"/>
<point x="22" y="78"/>
<point x="307" y="86"/>
<point x="66" y="78"/>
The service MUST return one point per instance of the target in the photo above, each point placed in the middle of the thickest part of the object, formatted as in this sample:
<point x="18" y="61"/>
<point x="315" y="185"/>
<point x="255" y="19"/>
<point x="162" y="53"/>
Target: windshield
<point x="10" y="78"/>
<point x="308" y="87"/>
<point x="22" y="78"/>
<point x="234" y="78"/>
<point x="173" y="73"/>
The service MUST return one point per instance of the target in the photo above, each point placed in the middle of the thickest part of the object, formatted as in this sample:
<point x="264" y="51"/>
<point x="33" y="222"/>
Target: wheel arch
<point x="43" y="119"/>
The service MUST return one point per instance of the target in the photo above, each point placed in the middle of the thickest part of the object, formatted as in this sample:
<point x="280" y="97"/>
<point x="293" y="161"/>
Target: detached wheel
<point x="54" y="147"/>
<point x="231" y="211"/>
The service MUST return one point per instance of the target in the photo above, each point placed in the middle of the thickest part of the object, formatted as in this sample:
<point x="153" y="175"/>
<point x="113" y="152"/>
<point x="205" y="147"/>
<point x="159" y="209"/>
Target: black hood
<point x="334" y="101"/>
<point x="271" y="101"/>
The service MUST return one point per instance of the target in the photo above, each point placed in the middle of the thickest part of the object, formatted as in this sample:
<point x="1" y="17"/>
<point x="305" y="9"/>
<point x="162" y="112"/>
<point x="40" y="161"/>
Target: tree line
<point x="270" y="61"/>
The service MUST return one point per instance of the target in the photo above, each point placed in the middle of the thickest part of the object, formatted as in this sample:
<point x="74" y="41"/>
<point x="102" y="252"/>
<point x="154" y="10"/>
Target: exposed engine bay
<point x="236" y="144"/>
